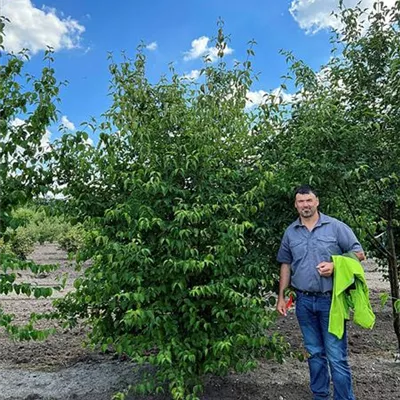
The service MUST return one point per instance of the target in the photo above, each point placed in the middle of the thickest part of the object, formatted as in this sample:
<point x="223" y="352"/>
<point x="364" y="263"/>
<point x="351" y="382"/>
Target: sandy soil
<point x="61" y="368"/>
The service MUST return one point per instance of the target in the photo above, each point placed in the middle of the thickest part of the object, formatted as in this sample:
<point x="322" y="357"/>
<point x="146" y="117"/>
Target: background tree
<point x="343" y="135"/>
<point x="27" y="108"/>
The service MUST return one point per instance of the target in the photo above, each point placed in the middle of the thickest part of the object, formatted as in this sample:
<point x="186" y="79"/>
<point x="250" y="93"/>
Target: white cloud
<point x="35" y="28"/>
<point x="53" y="195"/>
<point x="89" y="141"/>
<point x="44" y="141"/>
<point x="71" y="127"/>
<point x="152" y="46"/>
<point x="278" y="95"/>
<point x="314" y="15"/>
<point x="193" y="75"/>
<point x="17" y="122"/>
<point x="255" y="98"/>
<point x="67" y="123"/>
<point x="282" y="96"/>
<point x="200" y="48"/>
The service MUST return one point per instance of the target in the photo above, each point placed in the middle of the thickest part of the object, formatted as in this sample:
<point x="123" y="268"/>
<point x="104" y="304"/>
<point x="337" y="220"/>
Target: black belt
<point x="315" y="294"/>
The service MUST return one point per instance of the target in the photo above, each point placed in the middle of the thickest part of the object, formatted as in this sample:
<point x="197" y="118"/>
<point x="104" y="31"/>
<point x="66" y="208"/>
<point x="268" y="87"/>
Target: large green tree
<point x="178" y="203"/>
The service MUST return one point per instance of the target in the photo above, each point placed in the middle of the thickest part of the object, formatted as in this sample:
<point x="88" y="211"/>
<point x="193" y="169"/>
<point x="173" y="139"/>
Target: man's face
<point x="306" y="204"/>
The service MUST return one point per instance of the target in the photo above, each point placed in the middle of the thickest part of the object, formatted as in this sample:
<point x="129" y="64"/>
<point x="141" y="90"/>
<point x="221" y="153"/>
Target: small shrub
<point x="50" y="229"/>
<point x="29" y="226"/>
<point x="22" y="217"/>
<point x="72" y="239"/>
<point x="22" y="242"/>
<point x="5" y="248"/>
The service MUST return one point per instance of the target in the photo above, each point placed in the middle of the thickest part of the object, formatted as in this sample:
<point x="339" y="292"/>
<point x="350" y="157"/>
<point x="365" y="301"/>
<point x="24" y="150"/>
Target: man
<point x="305" y="256"/>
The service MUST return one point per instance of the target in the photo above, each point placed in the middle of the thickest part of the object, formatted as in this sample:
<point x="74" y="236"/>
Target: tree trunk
<point x="393" y="272"/>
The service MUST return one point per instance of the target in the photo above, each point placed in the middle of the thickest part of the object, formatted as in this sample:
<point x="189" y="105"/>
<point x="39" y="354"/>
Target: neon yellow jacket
<point x="350" y="291"/>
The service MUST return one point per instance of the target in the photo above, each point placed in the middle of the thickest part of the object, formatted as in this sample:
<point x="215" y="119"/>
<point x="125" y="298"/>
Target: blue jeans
<point x="313" y="315"/>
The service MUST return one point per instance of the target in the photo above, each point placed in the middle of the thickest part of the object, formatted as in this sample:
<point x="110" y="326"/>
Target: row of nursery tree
<point x="186" y="194"/>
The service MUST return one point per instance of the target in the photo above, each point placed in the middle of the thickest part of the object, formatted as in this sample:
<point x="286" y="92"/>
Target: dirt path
<point x="61" y="368"/>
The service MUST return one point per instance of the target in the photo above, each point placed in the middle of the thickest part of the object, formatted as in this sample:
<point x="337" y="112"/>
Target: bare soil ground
<point x="61" y="368"/>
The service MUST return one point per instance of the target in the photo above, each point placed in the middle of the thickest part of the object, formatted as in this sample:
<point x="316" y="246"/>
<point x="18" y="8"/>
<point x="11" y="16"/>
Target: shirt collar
<point x="323" y="219"/>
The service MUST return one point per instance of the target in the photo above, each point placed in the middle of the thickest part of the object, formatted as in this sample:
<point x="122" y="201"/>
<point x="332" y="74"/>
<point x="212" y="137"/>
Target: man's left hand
<point x="325" y="268"/>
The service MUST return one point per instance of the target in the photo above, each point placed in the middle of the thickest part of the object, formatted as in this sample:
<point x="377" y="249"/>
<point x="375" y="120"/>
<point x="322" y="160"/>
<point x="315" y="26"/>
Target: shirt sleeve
<point x="347" y="240"/>
<point x="284" y="254"/>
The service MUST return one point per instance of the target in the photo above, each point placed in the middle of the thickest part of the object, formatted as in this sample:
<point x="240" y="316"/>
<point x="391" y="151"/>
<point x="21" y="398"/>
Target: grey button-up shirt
<point x="304" y="250"/>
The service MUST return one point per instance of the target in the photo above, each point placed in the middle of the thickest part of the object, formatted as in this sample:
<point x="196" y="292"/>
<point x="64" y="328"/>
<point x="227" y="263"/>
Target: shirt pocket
<point x="298" y="249"/>
<point x="327" y="246"/>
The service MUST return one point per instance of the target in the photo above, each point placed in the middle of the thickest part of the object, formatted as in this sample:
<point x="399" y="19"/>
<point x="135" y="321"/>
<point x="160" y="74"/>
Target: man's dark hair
<point x="305" y="189"/>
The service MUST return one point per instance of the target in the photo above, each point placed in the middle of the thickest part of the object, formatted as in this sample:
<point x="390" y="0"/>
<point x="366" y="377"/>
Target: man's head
<point x="306" y="201"/>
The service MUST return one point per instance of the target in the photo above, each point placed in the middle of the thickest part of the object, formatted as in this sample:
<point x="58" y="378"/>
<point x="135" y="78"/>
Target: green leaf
<point x="397" y="305"/>
<point x="384" y="297"/>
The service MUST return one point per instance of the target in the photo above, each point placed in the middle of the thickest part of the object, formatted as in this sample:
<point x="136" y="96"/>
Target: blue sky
<point x="82" y="32"/>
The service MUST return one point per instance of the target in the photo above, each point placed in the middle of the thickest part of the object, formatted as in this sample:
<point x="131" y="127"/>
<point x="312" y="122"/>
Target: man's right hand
<point x="284" y="281"/>
<point x="281" y="306"/>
